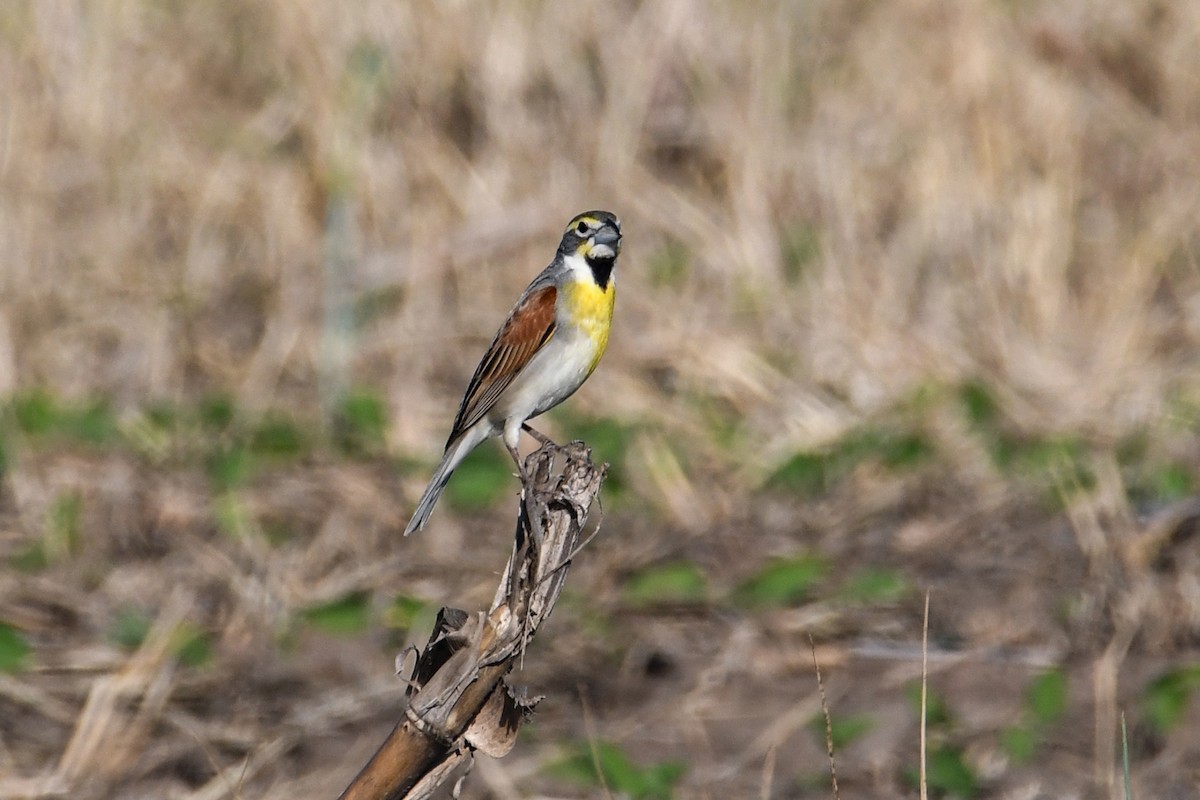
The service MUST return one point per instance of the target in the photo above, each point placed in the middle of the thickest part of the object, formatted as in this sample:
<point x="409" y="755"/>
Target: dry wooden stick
<point x="458" y="701"/>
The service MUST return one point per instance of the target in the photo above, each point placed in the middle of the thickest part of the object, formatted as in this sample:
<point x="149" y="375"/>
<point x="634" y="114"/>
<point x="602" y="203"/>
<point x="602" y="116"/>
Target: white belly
<point x="552" y="376"/>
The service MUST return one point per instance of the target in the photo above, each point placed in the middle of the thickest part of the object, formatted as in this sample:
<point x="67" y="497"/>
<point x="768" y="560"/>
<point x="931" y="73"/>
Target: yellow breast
<point x="590" y="309"/>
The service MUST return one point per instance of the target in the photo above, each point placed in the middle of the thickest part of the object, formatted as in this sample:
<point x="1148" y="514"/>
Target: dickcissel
<point x="545" y="350"/>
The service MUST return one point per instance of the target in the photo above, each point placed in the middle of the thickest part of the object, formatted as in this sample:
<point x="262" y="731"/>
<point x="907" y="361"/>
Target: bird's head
<point x="595" y="235"/>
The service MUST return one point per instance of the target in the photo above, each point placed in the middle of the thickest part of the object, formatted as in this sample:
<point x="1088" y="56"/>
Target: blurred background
<point x="909" y="301"/>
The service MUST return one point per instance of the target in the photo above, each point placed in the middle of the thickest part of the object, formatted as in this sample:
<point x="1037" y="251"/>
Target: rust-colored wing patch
<point x="528" y="328"/>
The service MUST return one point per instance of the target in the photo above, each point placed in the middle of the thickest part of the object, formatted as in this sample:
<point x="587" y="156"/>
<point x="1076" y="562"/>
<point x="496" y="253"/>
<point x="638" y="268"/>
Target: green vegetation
<point x="38" y="415"/>
<point x="360" y="425"/>
<point x="1059" y="463"/>
<point x="677" y="583"/>
<point x="1153" y="479"/>
<point x="610" y="440"/>
<point x="1167" y="697"/>
<point x="14" y="650"/>
<point x="1047" y="701"/>
<point x="617" y="772"/>
<point x="947" y="770"/>
<point x="485" y="476"/>
<point x="1045" y="705"/>
<point x="406" y="617"/>
<point x="346" y="616"/>
<point x="234" y="447"/>
<point x="276" y="436"/>
<point x="60" y="537"/>
<point x="947" y="773"/>
<point x="811" y="473"/>
<point x="130" y="627"/>
<point x="782" y="582"/>
<point x="843" y="731"/>
<point x="191" y="645"/>
<point x="404" y="612"/>
<point x="871" y="585"/>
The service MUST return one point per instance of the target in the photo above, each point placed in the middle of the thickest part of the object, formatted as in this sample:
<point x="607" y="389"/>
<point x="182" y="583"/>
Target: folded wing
<point x="525" y="332"/>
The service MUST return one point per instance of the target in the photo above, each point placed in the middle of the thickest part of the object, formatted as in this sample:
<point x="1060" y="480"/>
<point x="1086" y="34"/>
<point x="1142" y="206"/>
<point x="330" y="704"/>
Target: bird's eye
<point x="581" y="228"/>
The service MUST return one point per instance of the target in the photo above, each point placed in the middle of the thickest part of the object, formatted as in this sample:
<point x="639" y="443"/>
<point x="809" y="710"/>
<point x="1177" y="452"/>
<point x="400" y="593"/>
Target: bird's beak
<point x="605" y="244"/>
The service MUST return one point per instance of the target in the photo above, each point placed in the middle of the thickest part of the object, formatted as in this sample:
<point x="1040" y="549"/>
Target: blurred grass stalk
<point x="337" y="327"/>
<point x="361" y="85"/>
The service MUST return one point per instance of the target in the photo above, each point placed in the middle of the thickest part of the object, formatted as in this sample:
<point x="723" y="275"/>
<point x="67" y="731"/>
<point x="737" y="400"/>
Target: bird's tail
<point x="454" y="455"/>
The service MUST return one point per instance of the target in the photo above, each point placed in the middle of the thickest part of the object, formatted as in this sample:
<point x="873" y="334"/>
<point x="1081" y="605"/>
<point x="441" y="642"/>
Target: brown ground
<point x="837" y="215"/>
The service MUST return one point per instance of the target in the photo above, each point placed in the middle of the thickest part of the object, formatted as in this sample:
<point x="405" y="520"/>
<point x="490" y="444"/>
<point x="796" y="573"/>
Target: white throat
<point x="579" y="268"/>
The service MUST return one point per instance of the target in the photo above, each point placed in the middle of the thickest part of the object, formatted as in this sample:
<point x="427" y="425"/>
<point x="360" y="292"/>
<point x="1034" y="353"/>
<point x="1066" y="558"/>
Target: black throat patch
<point x="602" y="270"/>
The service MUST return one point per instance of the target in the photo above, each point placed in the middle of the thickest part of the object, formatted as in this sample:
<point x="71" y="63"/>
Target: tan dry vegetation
<point x="829" y="207"/>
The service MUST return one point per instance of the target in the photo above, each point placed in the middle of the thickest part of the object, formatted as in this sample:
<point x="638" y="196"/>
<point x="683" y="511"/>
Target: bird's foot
<point x="541" y="438"/>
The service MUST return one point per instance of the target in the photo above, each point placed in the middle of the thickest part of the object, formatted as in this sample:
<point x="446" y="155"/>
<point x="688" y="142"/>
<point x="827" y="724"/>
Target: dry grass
<point x="830" y="209"/>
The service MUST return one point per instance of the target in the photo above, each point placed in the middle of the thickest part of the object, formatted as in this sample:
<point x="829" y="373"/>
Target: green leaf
<point x="782" y="582"/>
<point x="163" y="416"/>
<point x="1166" y="698"/>
<point x="229" y="467"/>
<point x="217" y="412"/>
<point x="948" y="771"/>
<point x="1048" y="697"/>
<point x="233" y="515"/>
<point x="93" y="424"/>
<point x="1172" y="482"/>
<point x="1020" y="743"/>
<point x="346" y="616"/>
<point x="874" y="585"/>
<point x="681" y="582"/>
<point x="1063" y="455"/>
<point x="36" y="412"/>
<point x="844" y="731"/>
<point x="980" y="405"/>
<point x="620" y="774"/>
<point x="63" y="534"/>
<point x="658" y="780"/>
<point x="14" y="650"/>
<point x="277" y="436"/>
<point x="905" y="451"/>
<point x="577" y="768"/>
<point x="130" y="627"/>
<point x="937" y="711"/>
<point x="360" y="425"/>
<point x="404" y="612"/>
<point x="806" y="473"/>
<point x="31" y="558"/>
<point x="482" y="479"/>
<point x="192" y="646"/>
<point x="811" y="472"/>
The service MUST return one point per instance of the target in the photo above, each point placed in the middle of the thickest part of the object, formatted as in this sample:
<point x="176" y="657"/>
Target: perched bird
<point x="545" y="350"/>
